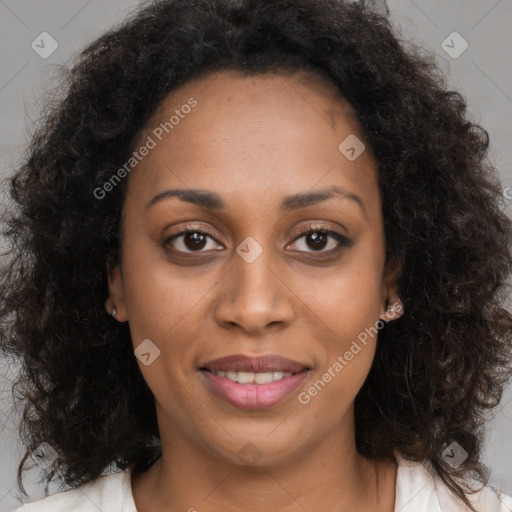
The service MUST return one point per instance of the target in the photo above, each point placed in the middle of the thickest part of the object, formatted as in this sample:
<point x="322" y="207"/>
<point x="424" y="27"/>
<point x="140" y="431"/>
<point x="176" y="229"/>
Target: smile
<point x="253" y="377"/>
<point x="253" y="390"/>
<point x="249" y="382"/>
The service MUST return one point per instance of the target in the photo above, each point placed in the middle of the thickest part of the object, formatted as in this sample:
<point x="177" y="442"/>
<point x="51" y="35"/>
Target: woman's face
<point x="264" y="152"/>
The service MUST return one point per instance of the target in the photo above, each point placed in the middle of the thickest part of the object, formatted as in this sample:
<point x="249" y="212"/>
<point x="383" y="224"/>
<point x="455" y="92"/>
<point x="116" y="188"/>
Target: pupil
<point x="197" y="239"/>
<point x="316" y="237"/>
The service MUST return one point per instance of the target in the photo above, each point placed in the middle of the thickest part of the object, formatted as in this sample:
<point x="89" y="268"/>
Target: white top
<point x="418" y="489"/>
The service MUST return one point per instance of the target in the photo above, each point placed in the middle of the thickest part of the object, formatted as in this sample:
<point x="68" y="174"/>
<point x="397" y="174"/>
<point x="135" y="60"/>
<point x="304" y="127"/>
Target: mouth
<point x="250" y="364"/>
<point x="253" y="382"/>
<point x="252" y="377"/>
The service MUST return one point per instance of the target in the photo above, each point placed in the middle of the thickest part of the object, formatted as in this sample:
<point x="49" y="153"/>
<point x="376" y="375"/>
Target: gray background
<point x="482" y="73"/>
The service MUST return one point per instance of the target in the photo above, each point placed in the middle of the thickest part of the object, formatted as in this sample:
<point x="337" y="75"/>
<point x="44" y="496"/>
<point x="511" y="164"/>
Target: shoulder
<point x="420" y="489"/>
<point x="108" y="492"/>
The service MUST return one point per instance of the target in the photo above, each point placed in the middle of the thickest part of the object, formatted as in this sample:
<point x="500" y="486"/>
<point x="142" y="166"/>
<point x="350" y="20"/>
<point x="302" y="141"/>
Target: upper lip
<point x="243" y="363"/>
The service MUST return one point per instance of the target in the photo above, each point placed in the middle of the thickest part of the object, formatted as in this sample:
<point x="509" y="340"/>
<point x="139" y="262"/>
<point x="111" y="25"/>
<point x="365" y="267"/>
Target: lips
<point x="243" y="363"/>
<point x="253" y="382"/>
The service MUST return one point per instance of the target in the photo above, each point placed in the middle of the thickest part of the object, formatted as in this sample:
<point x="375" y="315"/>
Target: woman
<point x="265" y="235"/>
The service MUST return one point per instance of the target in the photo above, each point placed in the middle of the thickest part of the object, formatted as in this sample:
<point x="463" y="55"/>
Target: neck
<point x="331" y="476"/>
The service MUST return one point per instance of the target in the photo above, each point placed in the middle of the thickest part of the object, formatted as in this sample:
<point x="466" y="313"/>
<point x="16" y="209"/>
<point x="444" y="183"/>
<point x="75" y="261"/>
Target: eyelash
<point x="342" y="240"/>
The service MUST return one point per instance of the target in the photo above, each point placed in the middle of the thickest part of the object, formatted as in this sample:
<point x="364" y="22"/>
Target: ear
<point x="115" y="299"/>
<point x="391" y="304"/>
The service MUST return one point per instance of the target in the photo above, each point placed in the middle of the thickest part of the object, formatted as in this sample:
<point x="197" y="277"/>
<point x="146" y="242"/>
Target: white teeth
<point x="265" y="378"/>
<point x="252" y="377"/>
<point x="245" y="377"/>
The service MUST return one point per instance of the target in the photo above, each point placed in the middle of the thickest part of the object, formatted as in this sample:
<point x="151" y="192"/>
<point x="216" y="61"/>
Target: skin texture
<point x="444" y="222"/>
<point x="254" y="140"/>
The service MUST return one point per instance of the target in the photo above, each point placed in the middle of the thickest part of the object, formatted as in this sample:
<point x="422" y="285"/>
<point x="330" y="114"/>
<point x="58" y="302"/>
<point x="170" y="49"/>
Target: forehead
<point x="254" y="137"/>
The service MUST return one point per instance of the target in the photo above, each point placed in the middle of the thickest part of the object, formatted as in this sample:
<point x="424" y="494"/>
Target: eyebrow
<point x="212" y="201"/>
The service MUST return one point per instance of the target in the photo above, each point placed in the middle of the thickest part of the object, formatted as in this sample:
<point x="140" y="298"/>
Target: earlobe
<point x="394" y="309"/>
<point x="115" y="304"/>
<point x="392" y="306"/>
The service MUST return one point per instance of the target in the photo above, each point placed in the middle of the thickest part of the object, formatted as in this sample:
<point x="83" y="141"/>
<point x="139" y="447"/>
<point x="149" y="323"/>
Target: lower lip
<point x="254" y="396"/>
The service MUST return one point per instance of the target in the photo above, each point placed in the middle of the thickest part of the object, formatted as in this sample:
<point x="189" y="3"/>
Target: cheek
<point x="165" y="305"/>
<point x="348" y="299"/>
<point x="348" y="305"/>
<point x="346" y="358"/>
<point x="158" y="295"/>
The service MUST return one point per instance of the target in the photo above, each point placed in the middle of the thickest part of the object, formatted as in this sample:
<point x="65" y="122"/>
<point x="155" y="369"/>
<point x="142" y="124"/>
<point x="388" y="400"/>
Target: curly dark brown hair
<point x="438" y="371"/>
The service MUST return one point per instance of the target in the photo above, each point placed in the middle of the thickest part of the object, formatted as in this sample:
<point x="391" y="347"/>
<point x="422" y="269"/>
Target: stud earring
<point x="114" y="311"/>
<point x="392" y="310"/>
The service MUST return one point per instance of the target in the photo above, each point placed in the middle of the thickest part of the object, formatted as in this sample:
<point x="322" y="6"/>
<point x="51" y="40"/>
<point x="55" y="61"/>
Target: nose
<point x="254" y="296"/>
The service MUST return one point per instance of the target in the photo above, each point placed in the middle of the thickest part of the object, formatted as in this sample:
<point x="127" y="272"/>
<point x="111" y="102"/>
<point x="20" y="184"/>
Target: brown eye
<point x="317" y="239"/>
<point x="191" y="240"/>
